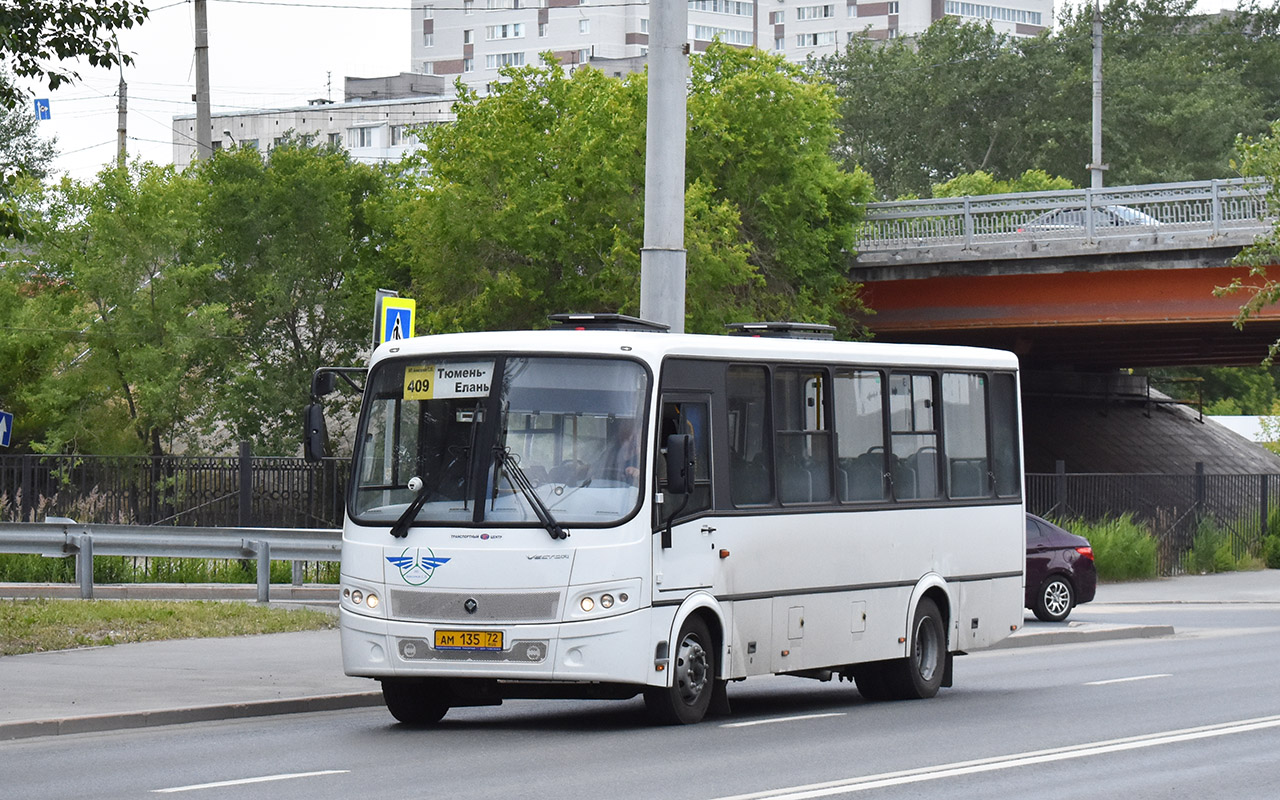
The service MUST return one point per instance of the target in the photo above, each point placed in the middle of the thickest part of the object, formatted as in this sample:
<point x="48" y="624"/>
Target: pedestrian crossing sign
<point x="397" y="319"/>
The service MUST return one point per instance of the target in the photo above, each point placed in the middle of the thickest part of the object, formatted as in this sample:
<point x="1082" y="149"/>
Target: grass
<point x="27" y="568"/>
<point x="32" y="626"/>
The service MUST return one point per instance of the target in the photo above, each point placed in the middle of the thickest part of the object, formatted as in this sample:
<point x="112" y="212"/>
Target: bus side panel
<point x="988" y="612"/>
<point x="751" y="642"/>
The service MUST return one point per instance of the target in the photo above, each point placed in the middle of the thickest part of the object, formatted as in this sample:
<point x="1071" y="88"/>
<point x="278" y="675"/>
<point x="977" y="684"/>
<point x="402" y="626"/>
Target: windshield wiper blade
<point x="517" y="478"/>
<point x="401" y="528"/>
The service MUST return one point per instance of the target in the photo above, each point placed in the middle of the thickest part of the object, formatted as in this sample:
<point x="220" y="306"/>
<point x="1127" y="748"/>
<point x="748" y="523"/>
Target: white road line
<point x="772" y="720"/>
<point x="241" y="781"/>
<point x="922" y="774"/>
<point x="1129" y="680"/>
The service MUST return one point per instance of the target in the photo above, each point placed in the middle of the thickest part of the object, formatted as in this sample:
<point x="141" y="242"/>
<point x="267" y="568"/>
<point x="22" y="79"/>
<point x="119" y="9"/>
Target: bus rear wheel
<point x="919" y="675"/>
<point x="415" y="701"/>
<point x="693" y="678"/>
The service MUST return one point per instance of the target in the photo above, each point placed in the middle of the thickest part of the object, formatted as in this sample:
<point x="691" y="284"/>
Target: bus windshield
<point x="458" y="435"/>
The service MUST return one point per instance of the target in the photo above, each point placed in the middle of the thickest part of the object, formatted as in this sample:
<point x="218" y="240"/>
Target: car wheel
<point x="415" y="701"/>
<point x="693" y="668"/>
<point x="1055" y="599"/>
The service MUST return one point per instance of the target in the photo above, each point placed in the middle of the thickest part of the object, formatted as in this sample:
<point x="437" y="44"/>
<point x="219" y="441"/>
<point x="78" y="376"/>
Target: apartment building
<point x="374" y="122"/>
<point x="473" y="39"/>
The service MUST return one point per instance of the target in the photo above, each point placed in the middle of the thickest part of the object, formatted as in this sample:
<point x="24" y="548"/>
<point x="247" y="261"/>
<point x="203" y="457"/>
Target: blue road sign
<point x="397" y="318"/>
<point x="42" y="108"/>
<point x="6" y="428"/>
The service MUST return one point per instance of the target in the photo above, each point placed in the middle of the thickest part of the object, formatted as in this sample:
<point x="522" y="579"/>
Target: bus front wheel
<point x="693" y="666"/>
<point x="415" y="701"/>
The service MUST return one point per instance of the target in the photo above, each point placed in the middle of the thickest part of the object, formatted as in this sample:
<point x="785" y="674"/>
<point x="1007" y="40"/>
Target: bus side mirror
<point x="680" y="463"/>
<point x="323" y="382"/>
<point x="314" y="435"/>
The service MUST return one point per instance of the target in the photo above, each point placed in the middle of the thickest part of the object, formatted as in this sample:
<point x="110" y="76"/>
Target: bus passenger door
<point x="685" y="557"/>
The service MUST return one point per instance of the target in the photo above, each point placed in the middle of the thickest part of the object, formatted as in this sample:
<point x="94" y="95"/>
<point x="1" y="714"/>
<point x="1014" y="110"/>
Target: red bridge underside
<point x="1119" y="318"/>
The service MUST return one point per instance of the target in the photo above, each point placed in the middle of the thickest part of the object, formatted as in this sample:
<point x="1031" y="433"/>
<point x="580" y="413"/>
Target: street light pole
<point x="662" y="258"/>
<point x="1096" y="168"/>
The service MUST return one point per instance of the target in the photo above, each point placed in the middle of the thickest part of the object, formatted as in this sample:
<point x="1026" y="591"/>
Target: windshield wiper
<point x="401" y="528"/>
<point x="516" y="477"/>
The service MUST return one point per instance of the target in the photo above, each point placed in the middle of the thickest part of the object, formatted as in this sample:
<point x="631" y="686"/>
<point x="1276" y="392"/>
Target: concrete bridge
<point x="1089" y="280"/>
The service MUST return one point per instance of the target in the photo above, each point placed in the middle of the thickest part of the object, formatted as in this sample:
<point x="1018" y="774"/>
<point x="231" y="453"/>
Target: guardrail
<point x="1212" y="209"/>
<point x="66" y="537"/>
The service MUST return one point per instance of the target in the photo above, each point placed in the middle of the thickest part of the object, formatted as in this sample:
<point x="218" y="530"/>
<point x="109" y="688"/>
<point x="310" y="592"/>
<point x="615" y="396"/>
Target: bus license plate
<point x="468" y="640"/>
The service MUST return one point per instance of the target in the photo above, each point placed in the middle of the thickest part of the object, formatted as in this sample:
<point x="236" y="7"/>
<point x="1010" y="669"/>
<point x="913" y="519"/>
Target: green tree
<point x="980" y="183"/>
<point x="1259" y="157"/>
<point x="298" y="258"/>
<point x="534" y="199"/>
<point x="1178" y="87"/>
<point x="40" y="39"/>
<point x="918" y="112"/>
<point x="760" y="135"/>
<point x="118" y="320"/>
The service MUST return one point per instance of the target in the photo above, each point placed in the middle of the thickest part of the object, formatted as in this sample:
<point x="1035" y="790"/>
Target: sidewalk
<point x="191" y="680"/>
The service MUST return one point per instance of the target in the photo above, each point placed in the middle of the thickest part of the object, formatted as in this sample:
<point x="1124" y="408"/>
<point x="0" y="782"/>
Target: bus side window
<point x="914" y="441"/>
<point x="803" y="436"/>
<point x="750" y="456"/>
<point x="860" y="454"/>
<point x="694" y="419"/>
<point x="1004" y="435"/>
<point x="964" y="412"/>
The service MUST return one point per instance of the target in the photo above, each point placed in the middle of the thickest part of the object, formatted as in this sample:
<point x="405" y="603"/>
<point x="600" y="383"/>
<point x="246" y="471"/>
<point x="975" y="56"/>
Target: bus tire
<point x="415" y="701"/>
<point x="919" y="675"/>
<point x="693" y="678"/>
<point x="870" y="680"/>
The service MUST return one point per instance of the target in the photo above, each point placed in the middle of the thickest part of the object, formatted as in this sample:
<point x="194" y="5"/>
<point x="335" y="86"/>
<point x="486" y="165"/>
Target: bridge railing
<point x="1210" y="208"/>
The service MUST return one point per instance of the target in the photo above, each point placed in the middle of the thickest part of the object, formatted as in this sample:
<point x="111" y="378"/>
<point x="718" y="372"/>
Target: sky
<point x="262" y="54"/>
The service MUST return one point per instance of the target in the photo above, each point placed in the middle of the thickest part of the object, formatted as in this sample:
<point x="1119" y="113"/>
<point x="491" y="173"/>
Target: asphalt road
<point x="1196" y="715"/>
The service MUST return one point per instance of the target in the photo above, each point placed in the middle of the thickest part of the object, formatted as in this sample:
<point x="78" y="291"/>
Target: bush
<point x="1271" y="551"/>
<point x="1213" y="550"/>
<point x="1123" y="550"/>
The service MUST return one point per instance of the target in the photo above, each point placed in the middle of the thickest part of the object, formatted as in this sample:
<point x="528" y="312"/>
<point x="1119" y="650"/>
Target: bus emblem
<point x="416" y="569"/>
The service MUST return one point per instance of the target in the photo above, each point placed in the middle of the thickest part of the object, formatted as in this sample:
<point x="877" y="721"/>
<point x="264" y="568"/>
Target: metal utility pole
<point x="662" y="258"/>
<point x="1096" y="168"/>
<point x="204" y="125"/>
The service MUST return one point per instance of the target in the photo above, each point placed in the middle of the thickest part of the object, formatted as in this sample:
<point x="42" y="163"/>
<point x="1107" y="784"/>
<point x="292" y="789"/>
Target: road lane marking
<point x="772" y="720"/>
<point x="242" y="781"/>
<point x="1031" y="758"/>
<point x="1129" y="680"/>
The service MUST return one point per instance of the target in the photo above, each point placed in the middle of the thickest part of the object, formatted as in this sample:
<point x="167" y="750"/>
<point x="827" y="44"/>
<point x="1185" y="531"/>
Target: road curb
<point x="1066" y="635"/>
<point x="99" y="723"/>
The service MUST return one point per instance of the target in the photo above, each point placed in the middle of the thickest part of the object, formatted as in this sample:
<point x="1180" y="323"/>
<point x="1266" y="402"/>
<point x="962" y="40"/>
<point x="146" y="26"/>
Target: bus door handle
<point x="708" y="530"/>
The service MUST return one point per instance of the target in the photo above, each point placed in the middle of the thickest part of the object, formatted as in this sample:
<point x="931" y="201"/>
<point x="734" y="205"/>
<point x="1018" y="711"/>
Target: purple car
<point x="1060" y="570"/>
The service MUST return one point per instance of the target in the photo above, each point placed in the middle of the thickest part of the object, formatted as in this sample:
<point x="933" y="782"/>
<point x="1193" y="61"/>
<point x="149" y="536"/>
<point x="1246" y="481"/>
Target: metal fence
<point x="230" y="491"/>
<point x="1209" y="208"/>
<point x="1172" y="507"/>
<point x="275" y="492"/>
<point x="62" y="537"/>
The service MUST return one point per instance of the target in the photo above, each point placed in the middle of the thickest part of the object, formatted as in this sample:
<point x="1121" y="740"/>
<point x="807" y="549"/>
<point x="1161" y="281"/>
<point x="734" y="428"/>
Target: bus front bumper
<point x="612" y="649"/>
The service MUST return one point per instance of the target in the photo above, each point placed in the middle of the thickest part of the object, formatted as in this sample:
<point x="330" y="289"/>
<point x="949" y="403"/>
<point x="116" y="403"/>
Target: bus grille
<point x="489" y="607"/>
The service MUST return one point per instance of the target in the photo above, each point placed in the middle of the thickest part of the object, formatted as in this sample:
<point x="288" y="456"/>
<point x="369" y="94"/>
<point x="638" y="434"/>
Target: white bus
<point x="607" y="510"/>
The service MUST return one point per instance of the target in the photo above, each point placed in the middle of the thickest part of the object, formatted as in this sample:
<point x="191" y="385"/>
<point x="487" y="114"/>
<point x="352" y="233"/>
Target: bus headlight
<point x="604" y="600"/>
<point x="365" y="601"/>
